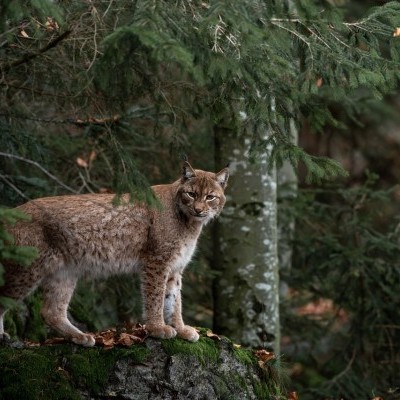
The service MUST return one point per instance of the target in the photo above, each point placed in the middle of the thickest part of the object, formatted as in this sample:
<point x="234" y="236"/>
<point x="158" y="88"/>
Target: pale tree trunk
<point x="246" y="299"/>
<point x="287" y="191"/>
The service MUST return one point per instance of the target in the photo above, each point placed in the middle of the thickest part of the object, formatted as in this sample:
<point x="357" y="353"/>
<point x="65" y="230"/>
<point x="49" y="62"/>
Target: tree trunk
<point x="287" y="191"/>
<point x="246" y="300"/>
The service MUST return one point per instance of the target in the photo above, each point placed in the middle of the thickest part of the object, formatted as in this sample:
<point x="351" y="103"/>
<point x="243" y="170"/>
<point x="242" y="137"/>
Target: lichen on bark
<point x="245" y="257"/>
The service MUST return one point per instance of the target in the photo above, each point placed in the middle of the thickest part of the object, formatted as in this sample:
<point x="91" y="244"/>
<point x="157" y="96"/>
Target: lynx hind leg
<point x="57" y="292"/>
<point x="173" y="309"/>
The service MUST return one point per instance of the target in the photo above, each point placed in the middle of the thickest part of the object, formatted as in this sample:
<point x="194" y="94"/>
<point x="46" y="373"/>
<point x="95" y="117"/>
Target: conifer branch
<point x="12" y="186"/>
<point x="31" y="56"/>
<point x="44" y="170"/>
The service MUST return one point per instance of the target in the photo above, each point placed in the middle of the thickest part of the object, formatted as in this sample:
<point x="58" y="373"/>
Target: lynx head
<point x="201" y="193"/>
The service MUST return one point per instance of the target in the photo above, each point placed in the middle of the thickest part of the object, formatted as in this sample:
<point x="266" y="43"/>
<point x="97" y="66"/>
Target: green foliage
<point x="347" y="251"/>
<point x="9" y="252"/>
<point x="12" y="12"/>
<point x="180" y="62"/>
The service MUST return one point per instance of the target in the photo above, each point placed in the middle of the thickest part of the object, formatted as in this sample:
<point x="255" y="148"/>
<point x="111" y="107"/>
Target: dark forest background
<point x="105" y="96"/>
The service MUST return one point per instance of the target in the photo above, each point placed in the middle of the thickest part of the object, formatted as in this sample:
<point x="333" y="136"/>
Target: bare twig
<point x="14" y="187"/>
<point x="31" y="56"/>
<point x="345" y="371"/>
<point x="44" y="170"/>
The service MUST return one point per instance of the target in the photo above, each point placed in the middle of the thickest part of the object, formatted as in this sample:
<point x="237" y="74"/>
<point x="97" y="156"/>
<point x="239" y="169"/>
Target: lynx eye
<point x="192" y="195"/>
<point x="210" y="197"/>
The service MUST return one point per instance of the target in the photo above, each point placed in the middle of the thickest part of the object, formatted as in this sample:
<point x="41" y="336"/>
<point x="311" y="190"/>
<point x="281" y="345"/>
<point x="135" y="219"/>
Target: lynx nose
<point x="198" y="210"/>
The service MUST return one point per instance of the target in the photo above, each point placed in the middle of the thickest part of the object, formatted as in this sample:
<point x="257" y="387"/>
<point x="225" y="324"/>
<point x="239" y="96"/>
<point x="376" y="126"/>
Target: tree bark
<point x="246" y="300"/>
<point x="287" y="191"/>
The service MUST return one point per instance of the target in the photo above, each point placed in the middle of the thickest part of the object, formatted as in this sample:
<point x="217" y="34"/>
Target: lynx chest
<point x="184" y="255"/>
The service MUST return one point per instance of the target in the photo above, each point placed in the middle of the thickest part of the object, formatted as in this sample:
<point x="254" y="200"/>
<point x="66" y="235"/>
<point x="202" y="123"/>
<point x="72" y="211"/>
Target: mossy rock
<point x="155" y="370"/>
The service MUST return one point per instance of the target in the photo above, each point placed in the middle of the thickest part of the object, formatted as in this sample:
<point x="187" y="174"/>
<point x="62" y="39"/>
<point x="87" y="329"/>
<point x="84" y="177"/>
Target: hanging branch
<point x="31" y="56"/>
<point x="50" y="175"/>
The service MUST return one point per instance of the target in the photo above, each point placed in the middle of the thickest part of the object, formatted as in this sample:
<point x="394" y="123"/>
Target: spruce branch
<point x="12" y="186"/>
<point x="31" y="56"/>
<point x="37" y="165"/>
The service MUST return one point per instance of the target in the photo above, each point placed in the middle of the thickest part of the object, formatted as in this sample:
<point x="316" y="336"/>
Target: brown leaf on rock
<point x="213" y="336"/>
<point x="125" y="339"/>
<point x="28" y="343"/>
<point x="105" y="338"/>
<point x="264" y="355"/>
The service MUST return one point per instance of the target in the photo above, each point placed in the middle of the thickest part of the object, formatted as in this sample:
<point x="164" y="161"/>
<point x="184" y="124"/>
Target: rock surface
<point x="154" y="370"/>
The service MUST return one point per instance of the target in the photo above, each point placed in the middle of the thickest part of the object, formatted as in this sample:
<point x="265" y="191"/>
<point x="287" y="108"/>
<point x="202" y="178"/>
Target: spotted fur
<point x="86" y="235"/>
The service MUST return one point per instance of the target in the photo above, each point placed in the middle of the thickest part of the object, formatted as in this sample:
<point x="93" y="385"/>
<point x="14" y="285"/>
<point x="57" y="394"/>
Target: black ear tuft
<point x="187" y="171"/>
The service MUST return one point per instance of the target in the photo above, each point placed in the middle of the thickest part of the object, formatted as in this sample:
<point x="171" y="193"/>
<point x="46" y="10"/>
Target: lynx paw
<point x="188" y="333"/>
<point x="85" y="339"/>
<point x="161" y="331"/>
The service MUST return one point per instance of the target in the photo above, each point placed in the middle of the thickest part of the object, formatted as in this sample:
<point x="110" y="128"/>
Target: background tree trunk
<point x="287" y="191"/>
<point x="246" y="287"/>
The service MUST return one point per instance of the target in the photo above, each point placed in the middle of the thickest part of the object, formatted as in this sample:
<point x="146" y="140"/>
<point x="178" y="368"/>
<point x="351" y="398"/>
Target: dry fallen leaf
<point x="264" y="355"/>
<point x="396" y="32"/>
<point x="292" y="396"/>
<point x="24" y="34"/>
<point x="319" y="82"/>
<point x="105" y="338"/>
<point x="31" y="344"/>
<point x="50" y="24"/>
<point x="81" y="162"/>
<point x="213" y="336"/>
<point x="125" y="339"/>
<point x="92" y="155"/>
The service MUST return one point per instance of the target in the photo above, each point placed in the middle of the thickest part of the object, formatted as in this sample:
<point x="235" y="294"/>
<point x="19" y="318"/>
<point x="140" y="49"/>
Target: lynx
<point x="87" y="236"/>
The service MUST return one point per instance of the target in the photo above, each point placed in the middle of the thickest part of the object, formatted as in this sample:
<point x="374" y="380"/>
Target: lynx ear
<point x="187" y="171"/>
<point x="222" y="177"/>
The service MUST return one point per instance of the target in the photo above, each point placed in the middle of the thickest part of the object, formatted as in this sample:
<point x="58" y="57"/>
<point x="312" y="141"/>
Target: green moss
<point x="54" y="372"/>
<point x="222" y="388"/>
<point x="205" y="349"/>
<point x="30" y="374"/>
<point x="90" y="368"/>
<point x="262" y="391"/>
<point x="244" y="356"/>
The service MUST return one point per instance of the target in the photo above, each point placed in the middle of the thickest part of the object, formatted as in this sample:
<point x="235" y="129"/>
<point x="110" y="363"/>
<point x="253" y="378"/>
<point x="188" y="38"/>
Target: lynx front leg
<point x="173" y="309"/>
<point x="153" y="292"/>
<point x="58" y="290"/>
